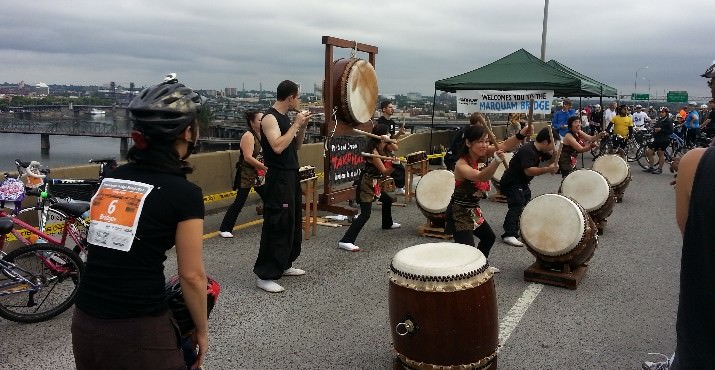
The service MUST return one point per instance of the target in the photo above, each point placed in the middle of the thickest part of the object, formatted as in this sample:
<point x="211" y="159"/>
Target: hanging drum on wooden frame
<point x="354" y="84"/>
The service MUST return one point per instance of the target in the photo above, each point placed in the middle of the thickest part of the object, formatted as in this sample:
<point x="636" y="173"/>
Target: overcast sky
<point x="213" y="44"/>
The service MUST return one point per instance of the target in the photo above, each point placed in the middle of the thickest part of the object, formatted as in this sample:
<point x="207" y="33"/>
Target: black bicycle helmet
<point x="710" y="71"/>
<point x="175" y="298"/>
<point x="163" y="111"/>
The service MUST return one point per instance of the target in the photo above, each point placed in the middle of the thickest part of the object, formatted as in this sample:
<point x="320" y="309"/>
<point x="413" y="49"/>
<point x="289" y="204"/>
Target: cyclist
<point x="692" y="124"/>
<point x="141" y="210"/>
<point x="661" y="139"/>
<point x="622" y="125"/>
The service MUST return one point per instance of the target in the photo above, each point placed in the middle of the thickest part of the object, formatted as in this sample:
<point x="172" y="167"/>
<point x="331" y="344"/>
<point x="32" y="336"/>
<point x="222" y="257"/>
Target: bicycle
<point x="53" y="191"/>
<point x="675" y="149"/>
<point x="37" y="281"/>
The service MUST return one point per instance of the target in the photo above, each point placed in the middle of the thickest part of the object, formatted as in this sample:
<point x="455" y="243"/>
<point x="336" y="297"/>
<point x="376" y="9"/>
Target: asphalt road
<point x="336" y="316"/>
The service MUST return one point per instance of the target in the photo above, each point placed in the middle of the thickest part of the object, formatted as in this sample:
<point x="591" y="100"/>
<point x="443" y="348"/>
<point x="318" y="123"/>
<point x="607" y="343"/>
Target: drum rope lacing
<point x="484" y="363"/>
<point x="332" y="132"/>
<point x="439" y="279"/>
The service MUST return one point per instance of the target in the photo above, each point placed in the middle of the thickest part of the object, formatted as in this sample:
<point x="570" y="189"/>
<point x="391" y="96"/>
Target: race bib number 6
<point x="114" y="214"/>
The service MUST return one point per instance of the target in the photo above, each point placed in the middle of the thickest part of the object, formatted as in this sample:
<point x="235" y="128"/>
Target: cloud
<point x="217" y="44"/>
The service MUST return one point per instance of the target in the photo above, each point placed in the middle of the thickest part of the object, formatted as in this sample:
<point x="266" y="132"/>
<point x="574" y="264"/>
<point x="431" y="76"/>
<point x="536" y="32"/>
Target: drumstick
<point x="493" y="138"/>
<point x="530" y="117"/>
<point x="368" y="134"/>
<point x="364" y="154"/>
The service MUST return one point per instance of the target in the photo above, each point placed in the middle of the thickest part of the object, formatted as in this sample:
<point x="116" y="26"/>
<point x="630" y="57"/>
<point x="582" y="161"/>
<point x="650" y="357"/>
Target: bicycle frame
<point x="17" y="283"/>
<point x="66" y="231"/>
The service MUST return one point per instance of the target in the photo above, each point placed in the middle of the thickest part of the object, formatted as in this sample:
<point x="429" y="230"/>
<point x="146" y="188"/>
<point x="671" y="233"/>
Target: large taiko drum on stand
<point x="593" y="192"/>
<point x="433" y="193"/>
<point x="496" y="178"/>
<point x="443" y="309"/>
<point x="354" y="84"/>
<point x="615" y="169"/>
<point x="558" y="232"/>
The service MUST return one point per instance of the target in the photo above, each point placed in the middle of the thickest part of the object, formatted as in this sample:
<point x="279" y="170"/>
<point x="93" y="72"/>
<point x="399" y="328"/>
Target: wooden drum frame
<point x="354" y="84"/>
<point x="544" y="234"/>
<point x="443" y="310"/>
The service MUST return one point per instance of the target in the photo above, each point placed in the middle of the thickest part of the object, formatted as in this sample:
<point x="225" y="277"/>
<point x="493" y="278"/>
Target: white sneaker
<point x="495" y="270"/>
<point x="292" y="271"/>
<point x="226" y="234"/>
<point x="269" y="286"/>
<point x="348" y="247"/>
<point x="395" y="225"/>
<point x="400" y="191"/>
<point x="514" y="242"/>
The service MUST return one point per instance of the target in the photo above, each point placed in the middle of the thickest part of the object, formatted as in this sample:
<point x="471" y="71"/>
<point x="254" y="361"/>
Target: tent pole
<point x="434" y="101"/>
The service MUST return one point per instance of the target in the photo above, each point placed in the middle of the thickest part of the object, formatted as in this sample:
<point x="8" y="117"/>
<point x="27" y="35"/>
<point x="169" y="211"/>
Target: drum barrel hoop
<point x="482" y="364"/>
<point x="451" y="283"/>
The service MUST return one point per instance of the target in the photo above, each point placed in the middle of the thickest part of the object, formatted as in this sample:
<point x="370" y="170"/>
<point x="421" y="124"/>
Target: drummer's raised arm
<point x="512" y="141"/>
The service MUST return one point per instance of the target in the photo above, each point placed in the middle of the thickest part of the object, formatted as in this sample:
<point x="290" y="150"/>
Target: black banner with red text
<point x="345" y="159"/>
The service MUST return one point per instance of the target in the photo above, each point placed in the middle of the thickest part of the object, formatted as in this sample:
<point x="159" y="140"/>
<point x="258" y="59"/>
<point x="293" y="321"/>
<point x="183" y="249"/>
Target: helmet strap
<point x="139" y="140"/>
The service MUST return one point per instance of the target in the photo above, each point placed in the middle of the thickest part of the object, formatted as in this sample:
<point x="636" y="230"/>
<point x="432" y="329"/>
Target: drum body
<point x="387" y="184"/>
<point x="496" y="178"/>
<point x="558" y="231"/>
<point x="591" y="191"/>
<point x="433" y="193"/>
<point x="416" y="157"/>
<point x="354" y="84"/>
<point x="443" y="310"/>
<point x="615" y="169"/>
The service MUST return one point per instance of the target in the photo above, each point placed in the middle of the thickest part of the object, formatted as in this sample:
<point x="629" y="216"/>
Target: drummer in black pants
<point x="366" y="189"/>
<point x="524" y="165"/>
<point x="464" y="217"/>
<point x="388" y="109"/>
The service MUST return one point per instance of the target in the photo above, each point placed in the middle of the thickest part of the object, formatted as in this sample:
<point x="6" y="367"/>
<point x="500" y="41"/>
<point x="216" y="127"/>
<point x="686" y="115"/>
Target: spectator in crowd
<point x="640" y="118"/>
<point x="661" y="139"/>
<point x="122" y="319"/>
<point x="597" y="119"/>
<point x="558" y="121"/>
<point x="692" y="124"/>
<point x="608" y="115"/>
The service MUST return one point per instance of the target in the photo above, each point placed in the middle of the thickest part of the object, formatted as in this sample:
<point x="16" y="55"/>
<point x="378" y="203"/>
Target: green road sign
<point x="677" y="96"/>
<point x="640" y="96"/>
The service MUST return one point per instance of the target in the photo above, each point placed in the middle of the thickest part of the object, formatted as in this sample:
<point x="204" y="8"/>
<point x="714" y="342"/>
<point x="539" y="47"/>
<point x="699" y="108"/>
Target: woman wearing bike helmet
<point x="141" y="210"/>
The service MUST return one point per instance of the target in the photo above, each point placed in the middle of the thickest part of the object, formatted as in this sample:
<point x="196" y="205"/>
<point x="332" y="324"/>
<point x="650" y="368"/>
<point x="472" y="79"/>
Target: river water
<point x="64" y="150"/>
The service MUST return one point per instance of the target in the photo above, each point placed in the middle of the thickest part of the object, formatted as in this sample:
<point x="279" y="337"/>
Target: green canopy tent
<point x="519" y="70"/>
<point x="594" y="87"/>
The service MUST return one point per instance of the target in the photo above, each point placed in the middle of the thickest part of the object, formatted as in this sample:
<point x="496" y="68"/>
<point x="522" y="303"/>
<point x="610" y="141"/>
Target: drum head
<point x="434" y="191"/>
<point x="588" y="188"/>
<point x="552" y="224"/>
<point x="612" y="167"/>
<point x="439" y="260"/>
<point x="500" y="169"/>
<point x="361" y="91"/>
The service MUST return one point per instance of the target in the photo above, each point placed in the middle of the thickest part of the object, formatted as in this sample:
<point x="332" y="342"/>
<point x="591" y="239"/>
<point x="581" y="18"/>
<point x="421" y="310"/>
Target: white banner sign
<point x="495" y="101"/>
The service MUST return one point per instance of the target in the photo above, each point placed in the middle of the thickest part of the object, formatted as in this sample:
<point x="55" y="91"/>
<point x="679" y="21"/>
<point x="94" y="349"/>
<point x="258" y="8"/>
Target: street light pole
<point x="543" y="31"/>
<point x="635" y="82"/>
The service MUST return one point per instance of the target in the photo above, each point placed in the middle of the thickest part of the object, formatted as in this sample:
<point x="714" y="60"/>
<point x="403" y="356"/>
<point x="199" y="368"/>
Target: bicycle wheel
<point x="50" y="221"/>
<point x="642" y="158"/>
<point x="57" y="272"/>
<point x="632" y="151"/>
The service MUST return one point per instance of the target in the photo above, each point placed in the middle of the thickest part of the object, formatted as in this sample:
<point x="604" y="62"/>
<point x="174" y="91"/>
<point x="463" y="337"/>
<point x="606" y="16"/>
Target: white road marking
<point x="517" y="311"/>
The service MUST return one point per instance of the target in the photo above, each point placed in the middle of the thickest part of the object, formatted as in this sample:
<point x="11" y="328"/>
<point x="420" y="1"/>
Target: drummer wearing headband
<point x="388" y="109"/>
<point x="524" y="165"/>
<point x="368" y="186"/>
<point x="464" y="217"/>
<point x="575" y="141"/>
